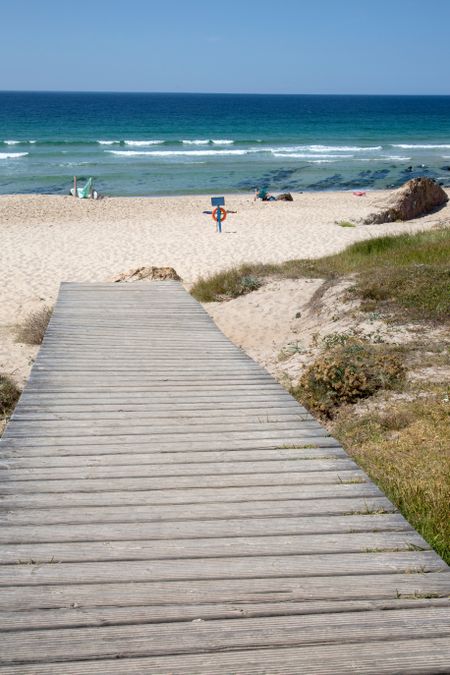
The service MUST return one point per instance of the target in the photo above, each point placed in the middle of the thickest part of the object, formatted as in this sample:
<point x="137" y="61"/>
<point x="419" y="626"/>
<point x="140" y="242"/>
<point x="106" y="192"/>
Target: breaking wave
<point x="12" y="155"/>
<point x="418" y="146"/>
<point x="176" y="153"/>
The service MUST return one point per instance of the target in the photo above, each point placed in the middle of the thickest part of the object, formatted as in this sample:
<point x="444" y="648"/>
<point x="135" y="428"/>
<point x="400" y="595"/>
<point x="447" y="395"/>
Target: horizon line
<point x="201" y="93"/>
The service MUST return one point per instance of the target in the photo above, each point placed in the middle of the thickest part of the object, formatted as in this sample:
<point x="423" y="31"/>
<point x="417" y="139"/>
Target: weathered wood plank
<point x="236" y="592"/>
<point x="50" y="572"/>
<point x="30" y="471"/>
<point x="212" y="636"/>
<point x="391" y="657"/>
<point x="208" y="511"/>
<point x="75" y="617"/>
<point x="245" y="546"/>
<point x="167" y="530"/>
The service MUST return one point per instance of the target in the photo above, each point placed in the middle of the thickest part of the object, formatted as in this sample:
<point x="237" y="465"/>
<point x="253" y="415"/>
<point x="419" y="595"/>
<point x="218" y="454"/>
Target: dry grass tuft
<point x="32" y="331"/>
<point x="225" y="285"/>
<point x="406" y="451"/>
<point x="9" y="395"/>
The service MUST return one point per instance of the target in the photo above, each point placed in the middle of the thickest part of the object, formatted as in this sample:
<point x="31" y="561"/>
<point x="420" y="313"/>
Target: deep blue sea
<point x="160" y="144"/>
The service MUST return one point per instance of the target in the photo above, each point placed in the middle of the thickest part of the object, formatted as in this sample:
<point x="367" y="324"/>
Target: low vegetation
<point x="226" y="285"/>
<point x="9" y="395"/>
<point x="405" y="448"/>
<point x="394" y="424"/>
<point x="347" y="371"/>
<point x="407" y="275"/>
<point x="32" y="330"/>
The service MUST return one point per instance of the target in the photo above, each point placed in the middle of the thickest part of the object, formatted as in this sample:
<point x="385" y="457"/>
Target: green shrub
<point x="32" y="331"/>
<point x="347" y="372"/>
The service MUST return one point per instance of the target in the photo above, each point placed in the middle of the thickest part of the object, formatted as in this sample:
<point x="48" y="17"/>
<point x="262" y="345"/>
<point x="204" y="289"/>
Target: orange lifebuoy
<point x="223" y="214"/>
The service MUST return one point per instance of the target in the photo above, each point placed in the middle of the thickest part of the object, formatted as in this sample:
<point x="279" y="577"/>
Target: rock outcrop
<point x="417" y="197"/>
<point x="147" y="273"/>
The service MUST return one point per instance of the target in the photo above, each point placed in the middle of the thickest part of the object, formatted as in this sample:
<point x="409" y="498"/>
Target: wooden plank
<point x="240" y="458"/>
<point x="214" y="636"/>
<point x="74" y="617"/>
<point x="217" y="496"/>
<point x="236" y="592"/>
<point x="225" y="488"/>
<point x="386" y="657"/>
<point x="127" y="482"/>
<point x="207" y="511"/>
<point x="50" y="572"/>
<point x="30" y="471"/>
<point x="166" y="530"/>
<point x="244" y="546"/>
<point x="160" y="447"/>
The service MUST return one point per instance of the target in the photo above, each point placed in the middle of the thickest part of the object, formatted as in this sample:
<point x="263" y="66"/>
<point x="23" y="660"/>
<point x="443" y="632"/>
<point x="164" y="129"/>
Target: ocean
<point x="163" y="144"/>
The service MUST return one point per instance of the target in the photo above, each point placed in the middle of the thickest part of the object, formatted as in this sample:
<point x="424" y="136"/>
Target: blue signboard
<point x="217" y="201"/>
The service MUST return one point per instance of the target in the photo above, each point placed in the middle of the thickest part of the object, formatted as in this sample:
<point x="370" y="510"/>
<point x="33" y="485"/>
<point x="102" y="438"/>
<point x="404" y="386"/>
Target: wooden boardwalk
<point x="167" y="507"/>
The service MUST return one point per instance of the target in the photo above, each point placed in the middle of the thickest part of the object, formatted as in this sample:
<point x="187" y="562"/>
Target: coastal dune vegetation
<point x="372" y="393"/>
<point x="408" y="274"/>
<point x="9" y="395"/>
<point x="32" y="330"/>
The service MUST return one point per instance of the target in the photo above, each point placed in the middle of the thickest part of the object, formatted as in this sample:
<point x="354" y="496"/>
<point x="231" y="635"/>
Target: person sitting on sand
<point x="261" y="193"/>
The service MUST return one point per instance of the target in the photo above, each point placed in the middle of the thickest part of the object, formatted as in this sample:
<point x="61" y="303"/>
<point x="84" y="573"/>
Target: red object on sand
<point x="359" y="194"/>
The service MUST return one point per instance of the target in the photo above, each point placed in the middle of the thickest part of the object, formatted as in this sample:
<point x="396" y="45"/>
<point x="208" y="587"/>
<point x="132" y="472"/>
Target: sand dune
<point x="49" y="239"/>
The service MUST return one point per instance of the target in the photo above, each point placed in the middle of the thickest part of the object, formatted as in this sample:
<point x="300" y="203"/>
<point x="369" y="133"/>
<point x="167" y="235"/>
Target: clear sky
<point x="293" y="46"/>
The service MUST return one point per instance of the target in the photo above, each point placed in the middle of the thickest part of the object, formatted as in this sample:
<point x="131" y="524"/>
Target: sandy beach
<point x="49" y="239"/>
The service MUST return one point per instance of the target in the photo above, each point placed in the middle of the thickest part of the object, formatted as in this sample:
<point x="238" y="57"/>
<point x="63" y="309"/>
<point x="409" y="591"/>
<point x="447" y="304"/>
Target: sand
<point x="48" y="239"/>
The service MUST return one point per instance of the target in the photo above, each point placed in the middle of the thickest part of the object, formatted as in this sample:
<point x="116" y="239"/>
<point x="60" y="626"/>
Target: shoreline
<point x="206" y="195"/>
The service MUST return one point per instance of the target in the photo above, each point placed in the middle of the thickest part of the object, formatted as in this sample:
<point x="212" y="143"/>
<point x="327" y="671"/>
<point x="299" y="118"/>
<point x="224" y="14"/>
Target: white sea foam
<point x="222" y="141"/>
<point x="418" y="146"/>
<point x="12" y="155"/>
<point x="383" y="158"/>
<point x="108" y="142"/>
<point x="12" y="142"/>
<point x="197" y="142"/>
<point x="308" y="155"/>
<point x="176" y="153"/>
<point x="395" y="158"/>
<point x="322" y="149"/>
<point x="342" y="148"/>
<point x="142" y="144"/>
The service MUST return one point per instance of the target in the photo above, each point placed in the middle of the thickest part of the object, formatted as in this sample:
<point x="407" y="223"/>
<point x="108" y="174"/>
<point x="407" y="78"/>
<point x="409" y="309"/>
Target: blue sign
<point x="217" y="201"/>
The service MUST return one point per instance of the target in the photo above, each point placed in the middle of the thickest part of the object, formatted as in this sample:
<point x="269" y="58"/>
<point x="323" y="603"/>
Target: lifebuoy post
<point x="219" y="214"/>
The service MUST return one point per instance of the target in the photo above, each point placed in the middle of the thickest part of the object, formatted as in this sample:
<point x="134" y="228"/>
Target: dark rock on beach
<point x="417" y="197"/>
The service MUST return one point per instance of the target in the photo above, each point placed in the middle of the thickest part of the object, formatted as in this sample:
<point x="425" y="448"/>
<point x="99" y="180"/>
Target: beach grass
<point x="407" y="275"/>
<point x="405" y="449"/>
<point x="32" y="330"/>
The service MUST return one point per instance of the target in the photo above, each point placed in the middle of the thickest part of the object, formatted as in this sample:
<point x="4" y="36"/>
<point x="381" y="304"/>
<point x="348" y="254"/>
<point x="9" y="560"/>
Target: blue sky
<point x="294" y="46"/>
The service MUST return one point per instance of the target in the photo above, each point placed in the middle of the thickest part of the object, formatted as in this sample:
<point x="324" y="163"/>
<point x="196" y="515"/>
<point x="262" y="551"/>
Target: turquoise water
<point x="153" y="144"/>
